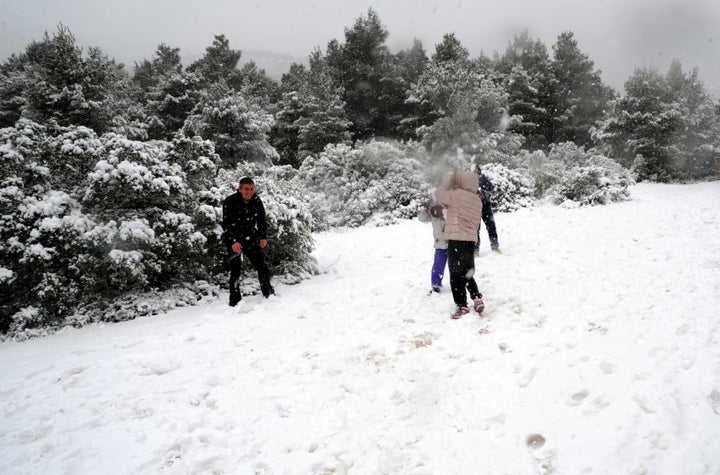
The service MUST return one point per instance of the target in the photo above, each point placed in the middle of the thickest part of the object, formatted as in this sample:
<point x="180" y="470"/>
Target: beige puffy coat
<point x="464" y="211"/>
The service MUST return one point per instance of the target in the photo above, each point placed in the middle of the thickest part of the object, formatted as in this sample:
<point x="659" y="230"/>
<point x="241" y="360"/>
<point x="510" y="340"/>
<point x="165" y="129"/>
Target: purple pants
<point x="438" y="268"/>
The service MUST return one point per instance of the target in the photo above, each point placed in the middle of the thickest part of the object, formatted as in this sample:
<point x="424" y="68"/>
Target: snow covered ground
<point x="599" y="353"/>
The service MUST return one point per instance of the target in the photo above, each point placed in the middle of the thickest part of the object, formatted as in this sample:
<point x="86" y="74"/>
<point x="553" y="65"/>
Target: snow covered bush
<point x="39" y="244"/>
<point x="72" y="154"/>
<point x="349" y="186"/>
<point x="158" y="193"/>
<point x="396" y="187"/>
<point x="335" y="182"/>
<point x="134" y="176"/>
<point x="593" y="184"/>
<point x="513" y="189"/>
<point x="198" y="160"/>
<point x="141" y="304"/>
<point x="86" y="220"/>
<point x="23" y="181"/>
<point x="546" y="172"/>
<point x="587" y="178"/>
<point x="22" y="149"/>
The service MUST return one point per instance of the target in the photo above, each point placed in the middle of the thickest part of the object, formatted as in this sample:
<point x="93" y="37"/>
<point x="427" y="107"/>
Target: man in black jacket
<point x="485" y="192"/>
<point x="245" y="234"/>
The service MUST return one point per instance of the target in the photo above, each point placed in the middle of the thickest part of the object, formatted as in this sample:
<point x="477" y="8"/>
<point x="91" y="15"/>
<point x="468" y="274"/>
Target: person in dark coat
<point x="245" y="236"/>
<point x="485" y="192"/>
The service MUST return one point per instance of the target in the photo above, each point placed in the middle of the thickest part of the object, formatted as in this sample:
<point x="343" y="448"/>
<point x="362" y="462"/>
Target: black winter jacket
<point x="486" y="189"/>
<point x="243" y="222"/>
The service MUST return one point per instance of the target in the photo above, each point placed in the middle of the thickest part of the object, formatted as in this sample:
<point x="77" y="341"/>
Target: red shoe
<point x="459" y="312"/>
<point x="478" y="304"/>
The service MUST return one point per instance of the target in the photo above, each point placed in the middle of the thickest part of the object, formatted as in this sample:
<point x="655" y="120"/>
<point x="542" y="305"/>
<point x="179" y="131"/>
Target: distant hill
<point x="274" y="64"/>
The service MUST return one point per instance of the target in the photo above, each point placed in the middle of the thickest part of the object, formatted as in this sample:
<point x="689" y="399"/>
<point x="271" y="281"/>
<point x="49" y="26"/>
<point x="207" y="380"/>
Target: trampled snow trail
<point x="599" y="353"/>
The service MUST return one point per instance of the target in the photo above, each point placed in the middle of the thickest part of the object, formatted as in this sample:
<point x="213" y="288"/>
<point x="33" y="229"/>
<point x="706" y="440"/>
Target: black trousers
<point x="489" y="220"/>
<point x="255" y="256"/>
<point x="462" y="268"/>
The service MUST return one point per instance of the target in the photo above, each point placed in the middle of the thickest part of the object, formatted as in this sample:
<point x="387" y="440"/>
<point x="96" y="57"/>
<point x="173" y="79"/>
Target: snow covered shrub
<point x="22" y="149"/>
<point x="349" y="186"/>
<point x="588" y="178"/>
<point x="23" y="184"/>
<point x="545" y="171"/>
<point x="290" y="221"/>
<point x="178" y="246"/>
<point x="593" y="184"/>
<point x="400" y="193"/>
<point x="141" y="304"/>
<point x="335" y="182"/>
<point x="198" y="160"/>
<point x="87" y="219"/>
<point x="513" y="189"/>
<point x="26" y="317"/>
<point x="496" y="147"/>
<point x="39" y="242"/>
<point x="134" y="176"/>
<point x="200" y="163"/>
<point x="125" y="271"/>
<point x="569" y="154"/>
<point x="71" y="156"/>
<point x="161" y="196"/>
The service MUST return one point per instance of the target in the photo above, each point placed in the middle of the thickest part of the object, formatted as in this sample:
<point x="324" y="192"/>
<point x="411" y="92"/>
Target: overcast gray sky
<point x="618" y="35"/>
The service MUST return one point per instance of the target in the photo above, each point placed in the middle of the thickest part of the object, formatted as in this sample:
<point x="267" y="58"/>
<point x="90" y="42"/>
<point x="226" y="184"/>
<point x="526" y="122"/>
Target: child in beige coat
<point x="464" y="211"/>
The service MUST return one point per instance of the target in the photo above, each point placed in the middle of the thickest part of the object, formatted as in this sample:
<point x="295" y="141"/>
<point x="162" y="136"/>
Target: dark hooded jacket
<point x="243" y="222"/>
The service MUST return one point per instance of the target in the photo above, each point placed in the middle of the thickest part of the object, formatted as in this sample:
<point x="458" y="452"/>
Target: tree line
<point x="111" y="183"/>
<point x="666" y="125"/>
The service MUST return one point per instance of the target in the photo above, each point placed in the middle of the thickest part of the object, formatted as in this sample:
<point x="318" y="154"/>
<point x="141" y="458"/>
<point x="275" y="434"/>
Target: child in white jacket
<point x="434" y="213"/>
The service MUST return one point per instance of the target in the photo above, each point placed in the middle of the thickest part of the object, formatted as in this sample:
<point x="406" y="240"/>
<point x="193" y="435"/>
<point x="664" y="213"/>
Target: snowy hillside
<point x="599" y="352"/>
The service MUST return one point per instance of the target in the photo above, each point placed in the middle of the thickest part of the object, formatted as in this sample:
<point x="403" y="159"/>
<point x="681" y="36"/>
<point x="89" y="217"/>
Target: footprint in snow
<point x="525" y="379"/>
<point x="535" y="441"/>
<point x="715" y="400"/>
<point x="607" y="367"/>
<point x="577" y="398"/>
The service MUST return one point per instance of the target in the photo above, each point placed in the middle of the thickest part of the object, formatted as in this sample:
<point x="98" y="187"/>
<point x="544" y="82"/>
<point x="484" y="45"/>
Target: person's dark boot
<point x="235" y="297"/>
<point x="268" y="291"/>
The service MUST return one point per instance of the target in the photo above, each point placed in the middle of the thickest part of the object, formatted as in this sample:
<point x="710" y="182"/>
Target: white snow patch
<point x="598" y="352"/>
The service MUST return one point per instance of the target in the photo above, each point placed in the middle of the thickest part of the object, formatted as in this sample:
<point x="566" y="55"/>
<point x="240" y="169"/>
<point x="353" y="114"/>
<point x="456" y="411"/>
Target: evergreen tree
<point x="450" y="50"/>
<point x="580" y="98"/>
<point x="698" y="138"/>
<point x="169" y="94"/>
<point x="53" y="83"/>
<point x="13" y="84"/>
<point x="284" y="135"/>
<point x="311" y="114"/>
<point x="165" y="63"/>
<point x="641" y="128"/>
<point x="462" y="101"/>
<point x="360" y="67"/>
<point x="525" y="105"/>
<point x="169" y="104"/>
<point x="410" y="115"/>
<point x="220" y="63"/>
<point x="534" y="100"/>
<point x="257" y="84"/>
<point x="238" y="127"/>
